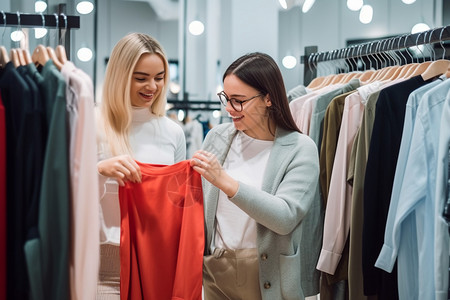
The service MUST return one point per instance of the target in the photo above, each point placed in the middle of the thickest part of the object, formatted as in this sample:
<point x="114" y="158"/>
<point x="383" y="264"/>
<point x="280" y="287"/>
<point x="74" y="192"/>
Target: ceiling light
<point x="17" y="36"/>
<point x="40" y="6"/>
<point x="40" y="32"/>
<point x="84" y="54"/>
<point x="196" y="28"/>
<point x="366" y="14"/>
<point x="85" y="7"/>
<point x="289" y="61"/>
<point x="307" y="5"/>
<point x="419" y="27"/>
<point x="408" y="1"/>
<point x="354" y="5"/>
<point x="283" y="3"/>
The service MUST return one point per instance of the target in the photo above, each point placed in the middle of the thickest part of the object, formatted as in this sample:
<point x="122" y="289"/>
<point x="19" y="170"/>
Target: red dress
<point x="162" y="234"/>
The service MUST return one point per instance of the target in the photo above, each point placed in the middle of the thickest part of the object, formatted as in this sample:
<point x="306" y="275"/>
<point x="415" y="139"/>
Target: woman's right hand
<point x="122" y="167"/>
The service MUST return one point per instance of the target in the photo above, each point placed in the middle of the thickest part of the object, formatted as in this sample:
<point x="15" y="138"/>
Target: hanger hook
<point x="57" y="27"/>
<point x="440" y="41"/>
<point x="4" y="26"/>
<point x="63" y="36"/>
<point x="417" y="46"/>
<point x="400" y="52"/>
<point x="18" y="28"/>
<point x="406" y="48"/>
<point x="433" y="53"/>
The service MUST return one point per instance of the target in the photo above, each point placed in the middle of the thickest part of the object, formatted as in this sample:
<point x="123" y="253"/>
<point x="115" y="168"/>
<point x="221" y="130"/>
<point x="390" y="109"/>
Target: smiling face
<point x="147" y="80"/>
<point x="253" y="120"/>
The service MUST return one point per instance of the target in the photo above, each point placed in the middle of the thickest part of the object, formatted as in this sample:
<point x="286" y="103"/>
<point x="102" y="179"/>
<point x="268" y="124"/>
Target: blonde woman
<point x="131" y="126"/>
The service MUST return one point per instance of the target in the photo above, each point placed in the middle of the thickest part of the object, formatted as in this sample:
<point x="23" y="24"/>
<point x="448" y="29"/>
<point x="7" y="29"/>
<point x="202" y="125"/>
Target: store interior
<point x="228" y="29"/>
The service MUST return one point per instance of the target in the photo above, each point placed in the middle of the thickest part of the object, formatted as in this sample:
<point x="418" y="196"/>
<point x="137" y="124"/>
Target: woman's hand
<point x="207" y="165"/>
<point x="122" y="167"/>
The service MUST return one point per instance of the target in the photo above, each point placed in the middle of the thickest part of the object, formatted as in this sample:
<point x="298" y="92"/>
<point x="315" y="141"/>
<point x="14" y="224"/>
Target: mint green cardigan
<point x="289" y="187"/>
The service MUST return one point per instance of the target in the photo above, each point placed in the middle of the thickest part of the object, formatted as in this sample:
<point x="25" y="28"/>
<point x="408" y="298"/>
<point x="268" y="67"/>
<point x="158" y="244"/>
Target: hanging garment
<point x="414" y="209"/>
<point x="315" y="128"/>
<point x="388" y="254"/>
<point x="84" y="204"/>
<point x="383" y="151"/>
<point x="442" y="238"/>
<point x="162" y="234"/>
<point x="48" y="252"/>
<point x="2" y="200"/>
<point x="15" y="91"/>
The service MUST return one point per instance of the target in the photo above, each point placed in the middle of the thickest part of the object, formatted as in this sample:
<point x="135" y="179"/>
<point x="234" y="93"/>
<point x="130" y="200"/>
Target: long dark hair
<point x="261" y="72"/>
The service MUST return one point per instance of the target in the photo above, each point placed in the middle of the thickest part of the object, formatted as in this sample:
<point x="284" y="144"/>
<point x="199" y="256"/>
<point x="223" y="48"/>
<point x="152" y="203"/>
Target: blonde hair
<point x="116" y="102"/>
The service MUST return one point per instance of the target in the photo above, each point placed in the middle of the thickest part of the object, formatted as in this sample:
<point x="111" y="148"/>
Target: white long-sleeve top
<point x="153" y="140"/>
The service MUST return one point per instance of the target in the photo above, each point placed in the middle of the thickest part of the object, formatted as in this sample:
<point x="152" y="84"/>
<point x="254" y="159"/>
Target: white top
<point x="246" y="162"/>
<point x="154" y="140"/>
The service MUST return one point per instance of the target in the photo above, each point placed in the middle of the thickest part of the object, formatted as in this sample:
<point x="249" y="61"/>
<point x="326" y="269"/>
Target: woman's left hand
<point x="207" y="165"/>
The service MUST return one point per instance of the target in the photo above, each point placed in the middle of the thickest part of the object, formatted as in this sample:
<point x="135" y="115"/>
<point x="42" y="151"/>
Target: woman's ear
<point x="267" y="99"/>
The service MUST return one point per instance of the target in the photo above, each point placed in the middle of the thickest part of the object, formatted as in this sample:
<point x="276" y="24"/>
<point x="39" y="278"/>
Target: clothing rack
<point x="312" y="57"/>
<point x="60" y="20"/>
<point x="195" y="105"/>
<point x="39" y="20"/>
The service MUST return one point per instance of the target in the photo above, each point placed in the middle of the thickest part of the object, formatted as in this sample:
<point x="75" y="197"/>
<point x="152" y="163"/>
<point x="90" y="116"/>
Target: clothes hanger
<point x="27" y="56"/>
<point x="40" y="55"/>
<point x="421" y="66"/>
<point x="4" y="58"/>
<point x="61" y="54"/>
<point x="51" y="51"/>
<point x="318" y="80"/>
<point x="54" y="58"/>
<point x="353" y="71"/>
<point x="329" y="78"/>
<point x="21" y="57"/>
<point x="438" y="67"/>
<point x="60" y="49"/>
<point x="15" y="58"/>
<point x="393" y="70"/>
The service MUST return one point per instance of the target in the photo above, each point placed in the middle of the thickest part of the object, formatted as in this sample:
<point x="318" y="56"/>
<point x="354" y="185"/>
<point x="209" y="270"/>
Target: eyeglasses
<point x="235" y="103"/>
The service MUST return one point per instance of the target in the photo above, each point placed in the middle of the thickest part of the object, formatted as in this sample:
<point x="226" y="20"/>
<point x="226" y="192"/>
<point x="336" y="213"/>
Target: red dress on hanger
<point x="162" y="234"/>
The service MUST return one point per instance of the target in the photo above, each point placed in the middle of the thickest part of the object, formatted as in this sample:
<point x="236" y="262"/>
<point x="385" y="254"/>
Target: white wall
<point x="329" y="24"/>
<point x="118" y="18"/>
<point x="235" y="27"/>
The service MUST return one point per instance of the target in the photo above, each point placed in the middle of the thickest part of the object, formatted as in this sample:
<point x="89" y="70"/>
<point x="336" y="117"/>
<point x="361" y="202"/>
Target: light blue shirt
<point x="413" y="226"/>
<point x="389" y="251"/>
<point x="442" y="240"/>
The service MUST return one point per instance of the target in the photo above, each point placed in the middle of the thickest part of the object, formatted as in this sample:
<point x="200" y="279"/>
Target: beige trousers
<point x="108" y="287"/>
<point x="231" y="274"/>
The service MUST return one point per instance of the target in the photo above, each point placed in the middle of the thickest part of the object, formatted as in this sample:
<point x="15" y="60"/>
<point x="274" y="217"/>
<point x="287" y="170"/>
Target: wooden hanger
<point x="40" y="55"/>
<point x="53" y="57"/>
<point x="316" y="82"/>
<point x="27" y="56"/>
<point x="61" y="54"/>
<point x="21" y="57"/>
<point x="4" y="58"/>
<point x="436" y="68"/>
<point x="419" y="69"/>
<point x="15" y="58"/>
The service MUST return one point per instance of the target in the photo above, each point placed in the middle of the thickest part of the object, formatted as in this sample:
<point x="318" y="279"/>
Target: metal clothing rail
<point x="195" y="105"/>
<point x="61" y="21"/>
<point x="312" y="57"/>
